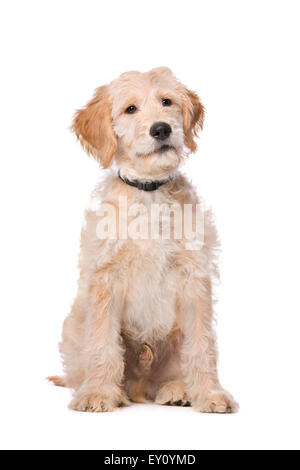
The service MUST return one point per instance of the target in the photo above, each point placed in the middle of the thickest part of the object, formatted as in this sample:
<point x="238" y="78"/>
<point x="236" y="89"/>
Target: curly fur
<point x="141" y="326"/>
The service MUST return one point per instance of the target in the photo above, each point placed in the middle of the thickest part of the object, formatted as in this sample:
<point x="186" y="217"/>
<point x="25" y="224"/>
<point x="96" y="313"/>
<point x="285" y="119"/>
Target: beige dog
<point x="141" y="327"/>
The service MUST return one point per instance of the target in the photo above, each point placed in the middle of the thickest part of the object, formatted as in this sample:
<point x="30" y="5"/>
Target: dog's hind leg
<point x="137" y="387"/>
<point x="71" y="346"/>
<point x="70" y="349"/>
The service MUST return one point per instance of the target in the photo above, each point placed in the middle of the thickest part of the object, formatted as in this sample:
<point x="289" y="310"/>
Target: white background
<point x="242" y="57"/>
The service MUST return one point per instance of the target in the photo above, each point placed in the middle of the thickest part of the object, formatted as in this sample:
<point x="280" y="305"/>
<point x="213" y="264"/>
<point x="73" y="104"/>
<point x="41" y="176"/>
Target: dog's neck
<point x="150" y="185"/>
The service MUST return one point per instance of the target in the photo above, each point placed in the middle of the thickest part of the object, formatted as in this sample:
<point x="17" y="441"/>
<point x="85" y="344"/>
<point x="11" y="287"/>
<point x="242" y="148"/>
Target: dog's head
<point x="143" y="120"/>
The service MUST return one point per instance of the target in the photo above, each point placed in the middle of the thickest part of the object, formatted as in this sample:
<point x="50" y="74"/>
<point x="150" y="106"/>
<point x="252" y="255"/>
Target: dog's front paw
<point x="219" y="401"/>
<point x="96" y="402"/>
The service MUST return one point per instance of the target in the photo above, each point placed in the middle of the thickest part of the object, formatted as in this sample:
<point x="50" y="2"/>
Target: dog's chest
<point x="150" y="298"/>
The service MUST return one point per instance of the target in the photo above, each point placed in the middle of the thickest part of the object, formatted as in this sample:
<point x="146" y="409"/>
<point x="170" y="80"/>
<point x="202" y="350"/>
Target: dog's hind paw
<point x="172" y="393"/>
<point x="57" y="380"/>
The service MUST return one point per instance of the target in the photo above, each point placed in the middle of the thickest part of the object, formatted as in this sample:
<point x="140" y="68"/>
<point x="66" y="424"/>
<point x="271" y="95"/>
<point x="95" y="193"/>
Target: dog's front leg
<point x="102" y="357"/>
<point x="199" y="354"/>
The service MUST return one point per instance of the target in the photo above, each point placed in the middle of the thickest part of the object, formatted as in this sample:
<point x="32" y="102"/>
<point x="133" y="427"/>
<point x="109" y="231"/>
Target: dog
<point x="141" y="327"/>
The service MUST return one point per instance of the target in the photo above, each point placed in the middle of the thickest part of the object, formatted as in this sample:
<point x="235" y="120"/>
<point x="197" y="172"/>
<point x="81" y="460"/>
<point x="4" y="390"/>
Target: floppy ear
<point x="193" y="117"/>
<point x="93" y="127"/>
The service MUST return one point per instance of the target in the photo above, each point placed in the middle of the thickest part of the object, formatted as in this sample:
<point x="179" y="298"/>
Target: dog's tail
<point x="57" y="380"/>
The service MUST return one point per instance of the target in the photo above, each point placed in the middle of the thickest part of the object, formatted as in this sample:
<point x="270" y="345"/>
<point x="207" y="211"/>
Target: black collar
<point x="148" y="186"/>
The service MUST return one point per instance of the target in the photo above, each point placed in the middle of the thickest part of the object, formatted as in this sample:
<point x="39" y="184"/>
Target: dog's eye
<point x="166" y="102"/>
<point x="131" y="109"/>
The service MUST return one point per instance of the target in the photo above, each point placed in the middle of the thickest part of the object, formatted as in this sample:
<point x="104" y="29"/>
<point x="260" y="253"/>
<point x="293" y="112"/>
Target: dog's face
<point x="143" y="120"/>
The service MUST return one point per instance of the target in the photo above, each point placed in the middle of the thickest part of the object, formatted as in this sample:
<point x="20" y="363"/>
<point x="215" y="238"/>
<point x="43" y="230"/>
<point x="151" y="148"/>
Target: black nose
<point x="160" y="130"/>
